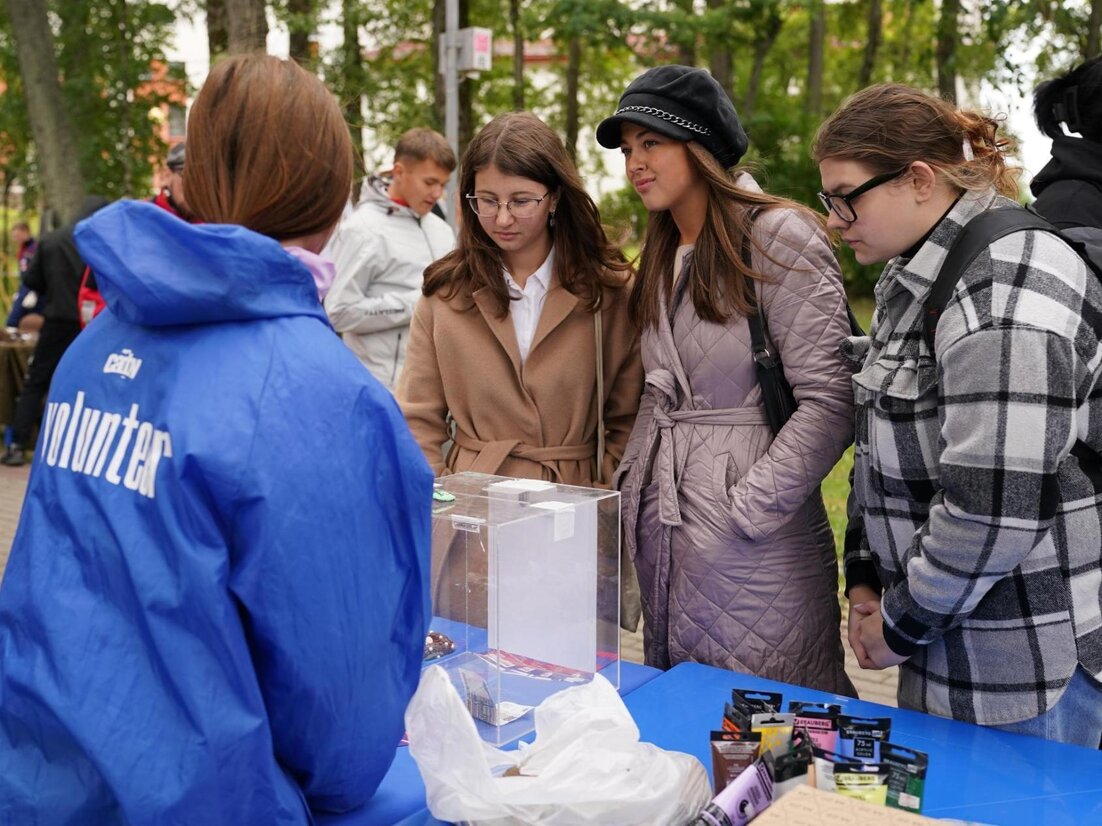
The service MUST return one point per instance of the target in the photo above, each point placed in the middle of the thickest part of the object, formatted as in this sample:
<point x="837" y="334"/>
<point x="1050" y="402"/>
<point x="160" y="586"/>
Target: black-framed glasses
<point x="842" y="205"/>
<point x="486" y="207"/>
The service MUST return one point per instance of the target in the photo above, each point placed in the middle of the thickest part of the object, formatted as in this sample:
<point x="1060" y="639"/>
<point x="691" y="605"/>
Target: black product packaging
<point x="907" y="777"/>
<point x="861" y="736"/>
<point x="820" y="720"/>
<point x="792" y="768"/>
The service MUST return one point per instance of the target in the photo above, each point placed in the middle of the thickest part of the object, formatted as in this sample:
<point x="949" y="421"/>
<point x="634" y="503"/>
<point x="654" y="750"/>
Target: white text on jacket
<point x="124" y="363"/>
<point x="82" y="439"/>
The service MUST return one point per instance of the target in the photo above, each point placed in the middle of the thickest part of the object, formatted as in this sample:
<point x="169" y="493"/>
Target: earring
<point x="551" y="219"/>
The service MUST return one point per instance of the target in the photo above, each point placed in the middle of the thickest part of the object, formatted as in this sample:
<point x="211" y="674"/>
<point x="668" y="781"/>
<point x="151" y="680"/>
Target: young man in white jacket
<point x="382" y="248"/>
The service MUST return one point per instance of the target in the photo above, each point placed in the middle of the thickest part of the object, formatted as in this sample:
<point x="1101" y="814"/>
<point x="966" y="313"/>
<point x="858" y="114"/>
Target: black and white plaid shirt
<point x="978" y="476"/>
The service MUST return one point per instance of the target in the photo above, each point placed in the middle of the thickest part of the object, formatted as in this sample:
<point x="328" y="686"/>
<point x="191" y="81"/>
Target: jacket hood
<point x="375" y="197"/>
<point x="155" y="269"/>
<point x="1076" y="159"/>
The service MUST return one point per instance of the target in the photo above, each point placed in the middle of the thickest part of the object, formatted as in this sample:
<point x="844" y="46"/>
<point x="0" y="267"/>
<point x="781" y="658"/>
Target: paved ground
<point x="877" y="686"/>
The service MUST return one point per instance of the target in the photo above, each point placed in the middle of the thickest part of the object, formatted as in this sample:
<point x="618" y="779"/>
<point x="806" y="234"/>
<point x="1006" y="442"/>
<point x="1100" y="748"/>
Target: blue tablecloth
<point x="401" y="795"/>
<point x="976" y="774"/>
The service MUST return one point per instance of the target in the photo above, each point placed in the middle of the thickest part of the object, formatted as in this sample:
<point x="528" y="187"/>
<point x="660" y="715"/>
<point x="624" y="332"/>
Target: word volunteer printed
<point x="82" y="439"/>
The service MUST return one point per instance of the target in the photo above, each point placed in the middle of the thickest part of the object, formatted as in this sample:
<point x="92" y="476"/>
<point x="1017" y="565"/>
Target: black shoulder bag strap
<point x="976" y="236"/>
<point x="776" y="392"/>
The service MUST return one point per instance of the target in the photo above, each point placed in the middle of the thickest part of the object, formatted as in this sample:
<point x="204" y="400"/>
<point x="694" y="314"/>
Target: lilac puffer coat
<point x="725" y="524"/>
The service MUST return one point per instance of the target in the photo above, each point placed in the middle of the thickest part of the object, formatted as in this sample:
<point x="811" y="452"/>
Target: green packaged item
<point x="907" y="776"/>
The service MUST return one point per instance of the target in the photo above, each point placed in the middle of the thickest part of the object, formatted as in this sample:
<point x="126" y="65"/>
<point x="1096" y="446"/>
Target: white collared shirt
<point x="528" y="303"/>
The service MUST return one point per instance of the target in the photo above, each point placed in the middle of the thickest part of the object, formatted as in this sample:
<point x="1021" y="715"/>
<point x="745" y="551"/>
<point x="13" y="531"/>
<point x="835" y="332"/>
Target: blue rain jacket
<point x="216" y="602"/>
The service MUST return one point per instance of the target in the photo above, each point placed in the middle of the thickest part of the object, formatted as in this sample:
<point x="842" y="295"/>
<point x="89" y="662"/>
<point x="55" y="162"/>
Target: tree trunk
<point x="352" y="65"/>
<point x="4" y="229"/>
<point x="947" y="50"/>
<point x="908" y="36"/>
<point x="686" y="48"/>
<point x="218" y="36"/>
<point x="872" y="43"/>
<point x="55" y="141"/>
<point x="762" y="46"/>
<point x="247" y="26"/>
<point x="720" y="58"/>
<point x="573" y="76"/>
<point x="466" y="90"/>
<point x="518" y="55"/>
<point x="439" y="23"/>
<point x="1094" y="31"/>
<point x="301" y="24"/>
<point x="813" y="102"/>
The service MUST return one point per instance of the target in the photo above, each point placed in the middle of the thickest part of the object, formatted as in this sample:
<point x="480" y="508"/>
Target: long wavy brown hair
<point x="519" y="143"/>
<point x="720" y="283"/>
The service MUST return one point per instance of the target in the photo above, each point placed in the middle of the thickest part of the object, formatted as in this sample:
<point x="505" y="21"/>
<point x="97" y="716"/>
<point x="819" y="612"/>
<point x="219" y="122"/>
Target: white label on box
<point x="468" y="523"/>
<point x="564" y="518"/>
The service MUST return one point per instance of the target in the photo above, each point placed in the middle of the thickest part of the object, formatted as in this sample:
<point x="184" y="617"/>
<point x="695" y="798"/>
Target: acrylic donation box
<point x="526" y="584"/>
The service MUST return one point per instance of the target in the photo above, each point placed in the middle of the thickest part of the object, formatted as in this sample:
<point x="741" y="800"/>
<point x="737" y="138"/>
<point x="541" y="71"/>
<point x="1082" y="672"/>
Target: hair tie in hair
<point x="966" y="146"/>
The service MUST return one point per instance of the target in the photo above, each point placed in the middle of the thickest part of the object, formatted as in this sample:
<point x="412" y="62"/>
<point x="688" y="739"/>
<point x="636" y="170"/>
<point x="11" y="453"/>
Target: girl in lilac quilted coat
<point x="725" y="521"/>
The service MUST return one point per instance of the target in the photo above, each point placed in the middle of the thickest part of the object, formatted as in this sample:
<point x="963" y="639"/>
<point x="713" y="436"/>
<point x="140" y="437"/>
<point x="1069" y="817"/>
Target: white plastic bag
<point x="585" y="766"/>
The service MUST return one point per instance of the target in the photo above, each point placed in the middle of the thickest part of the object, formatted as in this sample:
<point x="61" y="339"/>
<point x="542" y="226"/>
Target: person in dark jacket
<point x="1069" y="188"/>
<point x="54" y="273"/>
<point x="216" y="603"/>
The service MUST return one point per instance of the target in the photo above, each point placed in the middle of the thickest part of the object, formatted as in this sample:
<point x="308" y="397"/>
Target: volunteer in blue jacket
<point x="215" y="605"/>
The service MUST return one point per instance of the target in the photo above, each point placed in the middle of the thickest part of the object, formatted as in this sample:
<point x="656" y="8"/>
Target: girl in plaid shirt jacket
<point x="977" y="476"/>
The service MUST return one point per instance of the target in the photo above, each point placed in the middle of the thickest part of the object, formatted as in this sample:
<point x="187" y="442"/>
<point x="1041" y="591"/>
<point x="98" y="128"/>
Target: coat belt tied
<point x="492" y="455"/>
<point x="662" y="385"/>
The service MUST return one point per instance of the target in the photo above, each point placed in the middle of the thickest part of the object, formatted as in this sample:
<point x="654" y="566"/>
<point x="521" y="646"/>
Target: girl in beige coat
<point x="502" y="359"/>
<point x="517" y="329"/>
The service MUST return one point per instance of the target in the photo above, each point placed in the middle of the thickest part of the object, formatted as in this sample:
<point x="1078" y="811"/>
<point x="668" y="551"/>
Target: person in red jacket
<point x="171" y="199"/>
<point x="171" y="196"/>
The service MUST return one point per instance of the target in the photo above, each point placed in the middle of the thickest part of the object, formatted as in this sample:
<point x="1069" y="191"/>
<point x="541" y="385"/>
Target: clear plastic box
<point x="526" y="584"/>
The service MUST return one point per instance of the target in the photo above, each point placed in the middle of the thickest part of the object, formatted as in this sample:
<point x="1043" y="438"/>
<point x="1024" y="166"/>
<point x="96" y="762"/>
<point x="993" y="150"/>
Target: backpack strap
<point x="976" y="236"/>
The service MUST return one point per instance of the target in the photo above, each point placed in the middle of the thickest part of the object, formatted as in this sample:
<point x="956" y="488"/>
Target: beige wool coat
<point x="536" y="420"/>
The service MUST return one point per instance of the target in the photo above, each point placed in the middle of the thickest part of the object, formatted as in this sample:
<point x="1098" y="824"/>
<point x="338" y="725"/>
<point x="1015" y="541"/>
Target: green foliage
<point x="624" y="217"/>
<point x="16" y="159"/>
<point x="105" y="53"/>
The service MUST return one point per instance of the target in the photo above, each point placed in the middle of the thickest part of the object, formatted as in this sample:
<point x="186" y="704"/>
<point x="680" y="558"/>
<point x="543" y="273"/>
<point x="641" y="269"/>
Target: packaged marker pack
<point x="820" y="720"/>
<point x="792" y="769"/>
<point x="745" y="704"/>
<point x="862" y="736"/>
<point x="907" y="777"/>
<point x="775" y="730"/>
<point x="863" y="781"/>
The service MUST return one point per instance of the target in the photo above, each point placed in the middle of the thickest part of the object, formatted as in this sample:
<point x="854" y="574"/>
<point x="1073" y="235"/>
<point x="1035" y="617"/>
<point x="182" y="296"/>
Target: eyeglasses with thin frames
<point x="842" y="205"/>
<point x="486" y="207"/>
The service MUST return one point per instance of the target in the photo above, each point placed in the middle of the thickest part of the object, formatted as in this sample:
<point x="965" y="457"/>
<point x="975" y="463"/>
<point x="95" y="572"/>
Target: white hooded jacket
<point x="380" y="251"/>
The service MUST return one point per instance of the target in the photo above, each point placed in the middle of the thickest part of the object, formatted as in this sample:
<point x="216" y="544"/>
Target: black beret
<point x="683" y="103"/>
